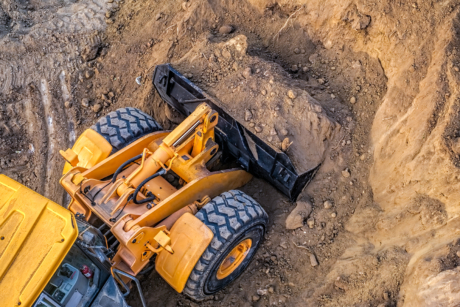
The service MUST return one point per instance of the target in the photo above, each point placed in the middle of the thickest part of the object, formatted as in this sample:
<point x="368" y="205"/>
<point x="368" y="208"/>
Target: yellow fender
<point x="89" y="149"/>
<point x="189" y="239"/>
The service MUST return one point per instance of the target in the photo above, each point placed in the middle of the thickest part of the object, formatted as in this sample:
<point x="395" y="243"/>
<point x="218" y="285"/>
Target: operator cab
<point x="74" y="284"/>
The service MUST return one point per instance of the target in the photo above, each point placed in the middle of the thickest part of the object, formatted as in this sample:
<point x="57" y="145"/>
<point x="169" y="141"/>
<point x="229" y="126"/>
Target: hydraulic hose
<point x="139" y="187"/>
<point x="120" y="169"/>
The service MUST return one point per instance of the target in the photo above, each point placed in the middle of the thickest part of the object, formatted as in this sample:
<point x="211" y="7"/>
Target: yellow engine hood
<point x="35" y="236"/>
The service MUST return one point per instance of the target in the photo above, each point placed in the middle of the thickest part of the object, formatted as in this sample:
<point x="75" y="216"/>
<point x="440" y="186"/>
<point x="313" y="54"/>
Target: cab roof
<point x="35" y="236"/>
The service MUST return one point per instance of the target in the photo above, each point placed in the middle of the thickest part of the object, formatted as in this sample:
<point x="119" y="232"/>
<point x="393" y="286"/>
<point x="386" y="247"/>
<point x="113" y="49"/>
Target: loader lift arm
<point x="254" y="155"/>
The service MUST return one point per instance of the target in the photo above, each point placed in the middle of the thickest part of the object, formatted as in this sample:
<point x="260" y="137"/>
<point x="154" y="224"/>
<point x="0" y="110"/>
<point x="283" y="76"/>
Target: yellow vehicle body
<point x="35" y="236"/>
<point x="89" y="149"/>
<point x="185" y="151"/>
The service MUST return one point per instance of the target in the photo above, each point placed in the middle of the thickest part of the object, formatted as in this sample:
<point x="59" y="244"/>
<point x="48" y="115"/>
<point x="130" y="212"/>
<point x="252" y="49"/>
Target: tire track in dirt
<point x="50" y="131"/>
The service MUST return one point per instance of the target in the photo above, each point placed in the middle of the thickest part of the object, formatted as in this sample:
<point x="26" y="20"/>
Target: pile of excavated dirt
<point x="367" y="89"/>
<point x="266" y="99"/>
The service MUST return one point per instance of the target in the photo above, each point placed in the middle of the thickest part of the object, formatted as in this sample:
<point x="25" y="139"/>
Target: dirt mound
<point x="266" y="99"/>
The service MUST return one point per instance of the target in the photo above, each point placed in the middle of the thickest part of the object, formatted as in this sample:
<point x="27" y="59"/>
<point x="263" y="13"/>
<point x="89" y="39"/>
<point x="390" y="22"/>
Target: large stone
<point x="298" y="215"/>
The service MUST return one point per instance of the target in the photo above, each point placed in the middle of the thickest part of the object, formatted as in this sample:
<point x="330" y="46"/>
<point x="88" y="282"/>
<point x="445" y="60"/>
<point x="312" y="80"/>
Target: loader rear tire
<point x="238" y="223"/>
<point x="124" y="126"/>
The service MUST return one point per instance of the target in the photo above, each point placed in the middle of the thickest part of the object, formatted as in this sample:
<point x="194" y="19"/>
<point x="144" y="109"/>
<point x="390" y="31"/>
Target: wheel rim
<point x="234" y="259"/>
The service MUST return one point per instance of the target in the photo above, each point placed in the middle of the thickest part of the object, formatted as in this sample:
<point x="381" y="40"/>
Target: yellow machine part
<point x="189" y="239"/>
<point x="35" y="236"/>
<point x="89" y="149"/>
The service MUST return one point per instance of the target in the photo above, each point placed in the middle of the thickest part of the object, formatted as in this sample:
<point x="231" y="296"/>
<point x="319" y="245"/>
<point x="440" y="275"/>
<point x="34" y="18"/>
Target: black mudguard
<point x="110" y="296"/>
<point x="253" y="154"/>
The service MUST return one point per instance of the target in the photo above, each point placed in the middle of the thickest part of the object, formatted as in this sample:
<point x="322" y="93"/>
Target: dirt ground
<point x="367" y="89"/>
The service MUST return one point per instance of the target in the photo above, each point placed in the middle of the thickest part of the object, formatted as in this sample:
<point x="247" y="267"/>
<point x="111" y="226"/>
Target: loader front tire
<point x="238" y="223"/>
<point x="124" y="126"/>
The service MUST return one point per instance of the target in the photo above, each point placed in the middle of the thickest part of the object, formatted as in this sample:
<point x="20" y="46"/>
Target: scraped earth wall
<point x="414" y="138"/>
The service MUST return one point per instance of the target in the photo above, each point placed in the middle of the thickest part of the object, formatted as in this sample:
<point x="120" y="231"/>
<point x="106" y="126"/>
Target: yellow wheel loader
<point x="142" y="198"/>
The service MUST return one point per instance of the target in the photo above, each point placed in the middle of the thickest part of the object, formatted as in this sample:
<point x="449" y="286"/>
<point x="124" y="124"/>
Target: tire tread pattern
<point x="124" y="126"/>
<point x="226" y="215"/>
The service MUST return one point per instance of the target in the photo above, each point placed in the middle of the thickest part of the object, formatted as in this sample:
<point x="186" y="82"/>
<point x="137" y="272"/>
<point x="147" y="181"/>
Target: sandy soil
<point x="367" y="89"/>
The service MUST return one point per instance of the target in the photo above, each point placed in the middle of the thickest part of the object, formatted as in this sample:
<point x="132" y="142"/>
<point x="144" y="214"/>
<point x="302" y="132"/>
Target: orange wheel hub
<point x="234" y="259"/>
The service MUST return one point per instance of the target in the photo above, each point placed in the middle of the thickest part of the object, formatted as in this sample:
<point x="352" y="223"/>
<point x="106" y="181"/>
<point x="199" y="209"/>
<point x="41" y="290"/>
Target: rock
<point x="386" y="297"/>
<point x="458" y="254"/>
<point x="273" y="131"/>
<point x="321" y="81"/>
<point x="311" y="222"/>
<point x="361" y="23"/>
<point x="258" y="129"/>
<point x="89" y="74"/>
<point x="251" y="125"/>
<point x="358" y="20"/>
<point x="341" y="284"/>
<point x="284" y="245"/>
<point x="255" y="298"/>
<point x="333" y="68"/>
<point x="296" y="217"/>
<point x="352" y="100"/>
<point x="294" y="68"/>
<point x="158" y="16"/>
<point x="262" y="292"/>
<point x="68" y="104"/>
<point x="89" y="53"/>
<point x="302" y="51"/>
<point x="332" y="96"/>
<point x="313" y="58"/>
<point x="247" y="115"/>
<point x="226" y="29"/>
<point x="284" y="132"/>
<point x="291" y="94"/>
<point x="296" y="50"/>
<point x="247" y="72"/>
<point x="346" y="173"/>
<point x="85" y="102"/>
<point x="328" y="44"/>
<point x="333" y="214"/>
<point x="263" y="92"/>
<point x="271" y="290"/>
<point x="108" y="14"/>
<point x="111" y="95"/>
<point x="313" y="260"/>
<point x="305" y="69"/>
<point x="185" y="5"/>
<point x="327" y="204"/>
<point x="456" y="68"/>
<point x="285" y="144"/>
<point x="362" y="157"/>
<point x="226" y="54"/>
<point x="97" y="108"/>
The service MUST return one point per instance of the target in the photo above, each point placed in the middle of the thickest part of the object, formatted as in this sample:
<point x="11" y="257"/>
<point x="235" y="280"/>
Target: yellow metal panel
<point x="35" y="236"/>
<point x="91" y="148"/>
<point x="110" y="165"/>
<point x="189" y="239"/>
<point x="210" y="184"/>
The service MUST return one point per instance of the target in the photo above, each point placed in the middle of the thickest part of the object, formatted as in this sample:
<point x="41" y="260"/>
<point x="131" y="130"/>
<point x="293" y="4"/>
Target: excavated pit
<point x="367" y="89"/>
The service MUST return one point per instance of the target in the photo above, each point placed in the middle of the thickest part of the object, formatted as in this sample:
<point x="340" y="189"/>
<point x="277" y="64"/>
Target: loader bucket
<point x="254" y="155"/>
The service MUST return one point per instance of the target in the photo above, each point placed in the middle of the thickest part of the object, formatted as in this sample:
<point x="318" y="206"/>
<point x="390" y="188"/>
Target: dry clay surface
<point x="368" y="89"/>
